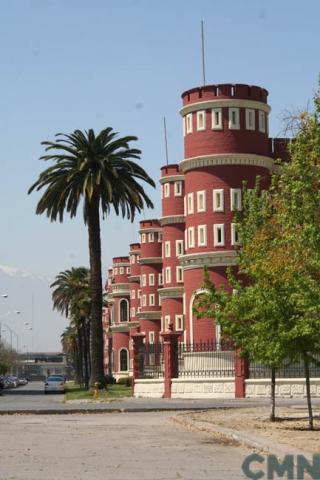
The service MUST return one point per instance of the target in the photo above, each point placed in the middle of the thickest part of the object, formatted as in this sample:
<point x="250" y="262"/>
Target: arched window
<point x="123" y="310"/>
<point x="123" y="360"/>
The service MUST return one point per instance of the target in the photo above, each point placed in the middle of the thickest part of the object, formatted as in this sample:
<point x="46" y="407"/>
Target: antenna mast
<point x="203" y="61"/>
<point x="165" y="139"/>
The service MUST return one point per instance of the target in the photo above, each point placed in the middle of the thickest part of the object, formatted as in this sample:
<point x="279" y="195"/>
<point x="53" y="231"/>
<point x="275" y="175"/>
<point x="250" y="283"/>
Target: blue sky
<point x="67" y="64"/>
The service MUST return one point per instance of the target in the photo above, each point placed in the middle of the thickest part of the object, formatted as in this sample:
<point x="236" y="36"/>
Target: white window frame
<point x="152" y="299"/>
<point x="262" y="121"/>
<point x="179" y="248"/>
<point x="177" y="188"/>
<point x="184" y="126"/>
<point x="115" y="271"/>
<point x="167" y="249"/>
<point x="234" y="125"/>
<point x="150" y="237"/>
<point x="152" y="337"/>
<point x="143" y="238"/>
<point x="190" y="203"/>
<point x="166" y="190"/>
<point x="179" y="319"/>
<point x="234" y="233"/>
<point x="201" y="194"/>
<point x="235" y="205"/>
<point x="139" y="294"/>
<point x="133" y="259"/>
<point x="132" y="312"/>
<point x="159" y="237"/>
<point x="128" y="270"/>
<point x="144" y="280"/>
<point x="214" y="124"/>
<point x="161" y="192"/>
<point x="160" y="279"/>
<point x="201" y="114"/>
<point x="189" y="126"/>
<point x="144" y="300"/>
<point x="167" y="321"/>
<point x="203" y="229"/>
<point x="133" y="294"/>
<point x="168" y="275"/>
<point x="191" y="242"/>
<point x="151" y="279"/>
<point x="179" y="274"/>
<point x="250" y="112"/>
<point x="216" y="228"/>
<point x="218" y="192"/>
<point x="121" y="271"/>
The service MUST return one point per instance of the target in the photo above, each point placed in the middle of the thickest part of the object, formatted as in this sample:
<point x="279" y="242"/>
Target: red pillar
<point x="137" y="338"/>
<point x="170" y="359"/>
<point x="241" y="373"/>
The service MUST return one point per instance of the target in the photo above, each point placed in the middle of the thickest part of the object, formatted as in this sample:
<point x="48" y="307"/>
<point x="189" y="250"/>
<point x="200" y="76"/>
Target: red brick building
<point x="226" y="142"/>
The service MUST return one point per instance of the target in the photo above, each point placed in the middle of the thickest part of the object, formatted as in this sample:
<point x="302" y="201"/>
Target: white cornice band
<point x="149" y="315"/>
<point x="220" y="103"/>
<point x="171" y="292"/>
<point x="245" y="159"/>
<point x="210" y="259"/>
<point x="150" y="230"/>
<point x="147" y="260"/>
<point x="171" y="178"/>
<point x="170" y="219"/>
<point x="134" y="278"/>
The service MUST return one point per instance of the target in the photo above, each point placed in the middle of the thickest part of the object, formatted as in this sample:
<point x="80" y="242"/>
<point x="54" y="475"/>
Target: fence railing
<point x="209" y="359"/>
<point x="287" y="370"/>
<point x="151" y="360"/>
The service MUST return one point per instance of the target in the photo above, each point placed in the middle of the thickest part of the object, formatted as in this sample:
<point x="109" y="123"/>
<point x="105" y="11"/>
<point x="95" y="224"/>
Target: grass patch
<point x="113" y="392"/>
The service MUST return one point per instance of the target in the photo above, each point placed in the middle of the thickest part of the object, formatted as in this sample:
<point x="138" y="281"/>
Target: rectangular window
<point x="133" y="312"/>
<point x="167" y="249"/>
<point x="201" y="201"/>
<point x="201" y="120"/>
<point x="262" y="122"/>
<point x="250" y="119"/>
<point x="133" y="259"/>
<point x="234" y="119"/>
<point x="116" y="271"/>
<point x="128" y="270"/>
<point x="218" y="200"/>
<point x="151" y="237"/>
<point x="202" y="235"/>
<point x="121" y="270"/>
<point x="168" y="274"/>
<point x="191" y="237"/>
<point x="139" y="293"/>
<point x="218" y="235"/>
<point x="151" y="279"/>
<point x="235" y="199"/>
<point x="179" y="247"/>
<point x="216" y="118"/>
<point x="143" y="238"/>
<point x="178" y="189"/>
<point x="179" y="274"/>
<point x="166" y="322"/>
<point x="189" y="123"/>
<point x="152" y="299"/>
<point x="234" y="234"/>
<point x="184" y="126"/>
<point x="151" y="337"/>
<point x="144" y="280"/>
<point x="160" y="279"/>
<point x="144" y="300"/>
<point x="179" y="322"/>
<point x="190" y="203"/>
<point x="161" y="191"/>
<point x="166" y="190"/>
<point x="133" y="294"/>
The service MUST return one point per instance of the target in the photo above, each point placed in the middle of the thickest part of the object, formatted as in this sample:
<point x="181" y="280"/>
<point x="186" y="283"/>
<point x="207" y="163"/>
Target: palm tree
<point x="100" y="170"/>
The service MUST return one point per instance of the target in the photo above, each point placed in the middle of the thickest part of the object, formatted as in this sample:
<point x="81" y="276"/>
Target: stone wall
<point x="203" y="388"/>
<point x="285" y="387"/>
<point x="148" y="388"/>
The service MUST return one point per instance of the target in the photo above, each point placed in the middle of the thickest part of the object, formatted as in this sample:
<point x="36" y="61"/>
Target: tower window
<point x="262" y="122"/>
<point x="216" y="117"/>
<point x="184" y="126"/>
<point x="144" y="280"/>
<point x="202" y="235"/>
<point x="218" y="200"/>
<point x="218" y="235"/>
<point x="123" y="354"/>
<point x="123" y="310"/>
<point x="250" y="119"/>
<point x="201" y="201"/>
<point x="151" y="279"/>
<point x="166" y="190"/>
<point x="179" y="274"/>
<point x="234" y="119"/>
<point x="189" y="123"/>
<point x="201" y="120"/>
<point x="168" y="274"/>
<point x="143" y="238"/>
<point x="190" y="203"/>
<point x="235" y="199"/>
<point x="191" y="237"/>
<point x="160" y="279"/>
<point x="179" y="247"/>
<point x="179" y="322"/>
<point x="151" y="237"/>
<point x="167" y="249"/>
<point x="152" y="299"/>
<point x="151" y="337"/>
<point x="178" y="189"/>
<point x="234" y="234"/>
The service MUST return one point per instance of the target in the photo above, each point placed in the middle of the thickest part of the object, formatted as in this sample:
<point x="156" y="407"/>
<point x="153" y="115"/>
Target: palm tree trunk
<point x="97" y="373"/>
<point x="273" y="395"/>
<point x="80" y="356"/>
<point x="85" y="355"/>
<point x="307" y="375"/>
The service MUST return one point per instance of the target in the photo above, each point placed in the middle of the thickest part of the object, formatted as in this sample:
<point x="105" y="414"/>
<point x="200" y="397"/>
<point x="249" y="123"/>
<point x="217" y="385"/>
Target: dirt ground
<point x="290" y="431"/>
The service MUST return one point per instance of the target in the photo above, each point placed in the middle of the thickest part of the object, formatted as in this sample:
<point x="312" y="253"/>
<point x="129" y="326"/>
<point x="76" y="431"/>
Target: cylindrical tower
<point x="150" y="274"/>
<point x="226" y="143"/>
<point x="172" y="222"/>
<point x="120" y="316"/>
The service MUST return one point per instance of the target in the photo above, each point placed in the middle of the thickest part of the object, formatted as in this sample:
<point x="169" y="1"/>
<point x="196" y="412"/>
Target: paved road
<point x="30" y="398"/>
<point x="113" y="446"/>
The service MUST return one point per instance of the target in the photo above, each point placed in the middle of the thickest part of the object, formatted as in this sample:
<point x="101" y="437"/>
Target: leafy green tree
<point x="274" y="313"/>
<point x="98" y="169"/>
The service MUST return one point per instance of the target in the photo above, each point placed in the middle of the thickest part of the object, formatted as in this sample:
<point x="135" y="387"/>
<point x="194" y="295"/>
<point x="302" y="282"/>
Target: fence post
<point x="241" y="373"/>
<point x="137" y="339"/>
<point x="170" y="358"/>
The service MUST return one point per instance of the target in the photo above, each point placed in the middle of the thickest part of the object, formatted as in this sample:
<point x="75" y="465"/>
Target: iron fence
<point x="151" y="360"/>
<point x="287" y="370"/>
<point x="209" y="359"/>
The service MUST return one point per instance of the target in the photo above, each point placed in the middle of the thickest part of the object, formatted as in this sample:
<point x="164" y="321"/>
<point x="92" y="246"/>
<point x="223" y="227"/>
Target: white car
<point x="54" y="383"/>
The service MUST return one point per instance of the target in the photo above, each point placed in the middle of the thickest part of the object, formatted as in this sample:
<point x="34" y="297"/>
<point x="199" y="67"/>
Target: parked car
<point x="54" y="383"/>
<point x="22" y="380"/>
<point x="14" y="380"/>
<point x="1" y="383"/>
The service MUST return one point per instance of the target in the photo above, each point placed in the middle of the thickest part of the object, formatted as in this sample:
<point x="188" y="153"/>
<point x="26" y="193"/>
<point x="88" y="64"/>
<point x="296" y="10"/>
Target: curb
<point x="102" y="410"/>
